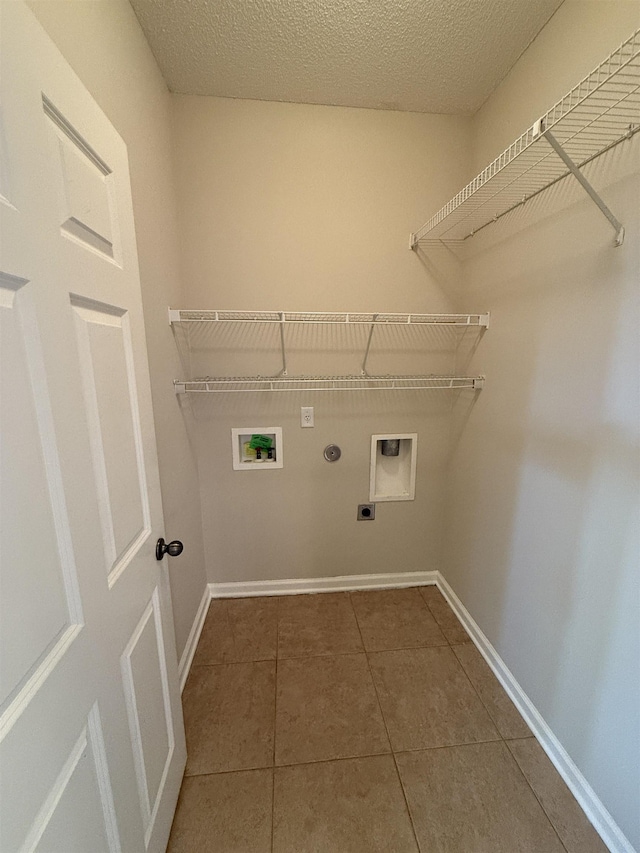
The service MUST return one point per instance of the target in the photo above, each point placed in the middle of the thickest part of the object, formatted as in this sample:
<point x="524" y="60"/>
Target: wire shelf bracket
<point x="602" y="111"/>
<point x="591" y="192"/>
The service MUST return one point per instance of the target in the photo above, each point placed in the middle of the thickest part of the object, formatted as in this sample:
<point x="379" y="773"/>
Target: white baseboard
<point x="591" y="804"/>
<point x="298" y="586"/>
<point x="192" y="640"/>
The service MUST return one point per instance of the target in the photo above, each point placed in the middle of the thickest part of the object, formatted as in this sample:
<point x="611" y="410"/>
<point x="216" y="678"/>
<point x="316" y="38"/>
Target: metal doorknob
<point x="173" y="549"/>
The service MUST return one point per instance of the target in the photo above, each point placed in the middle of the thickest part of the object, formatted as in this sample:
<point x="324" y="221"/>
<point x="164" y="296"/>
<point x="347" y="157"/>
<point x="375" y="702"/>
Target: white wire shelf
<point x="597" y="114"/>
<point x="326" y="318"/>
<point x="217" y="385"/>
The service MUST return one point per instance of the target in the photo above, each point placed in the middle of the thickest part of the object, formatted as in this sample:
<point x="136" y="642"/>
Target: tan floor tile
<point x="395" y="619"/>
<point x="427" y="699"/>
<point x="317" y="625"/>
<point x="474" y="799"/>
<point x="501" y="709"/>
<point x="239" y="629"/>
<point x="352" y="806"/>
<point x="228" y="812"/>
<point x="327" y="708"/>
<point x="444" y="615"/>
<point x="229" y="713"/>
<point x="571" y="823"/>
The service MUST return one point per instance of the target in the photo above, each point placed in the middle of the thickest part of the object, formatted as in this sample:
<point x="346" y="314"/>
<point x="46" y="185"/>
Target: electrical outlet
<point x="366" y="512"/>
<point x="306" y="416"/>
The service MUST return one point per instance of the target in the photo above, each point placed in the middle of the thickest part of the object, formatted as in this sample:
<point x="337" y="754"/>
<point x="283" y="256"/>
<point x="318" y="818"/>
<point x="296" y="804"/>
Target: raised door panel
<point x="146" y="689"/>
<point x="5" y="179"/>
<point x="62" y="792"/>
<point x="108" y="379"/>
<point x="39" y="608"/>
<point x="85" y="188"/>
<point x="82" y="788"/>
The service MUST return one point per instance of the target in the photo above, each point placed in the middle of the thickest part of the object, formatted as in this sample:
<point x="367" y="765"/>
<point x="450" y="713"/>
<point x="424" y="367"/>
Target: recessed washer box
<point x="393" y="478"/>
<point x="245" y="459"/>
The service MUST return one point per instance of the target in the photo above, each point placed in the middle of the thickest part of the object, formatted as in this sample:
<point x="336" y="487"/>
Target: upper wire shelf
<point x="366" y="322"/>
<point x="597" y="114"/>
<point x="238" y="384"/>
<point x="323" y="318"/>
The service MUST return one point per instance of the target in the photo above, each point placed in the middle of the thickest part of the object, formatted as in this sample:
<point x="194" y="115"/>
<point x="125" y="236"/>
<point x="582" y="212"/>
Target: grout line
<point x="505" y="741"/>
<point x="485" y="704"/>
<point x="402" y="788"/>
<point x="229" y="624"/>
<point x="278" y="610"/>
<point x="391" y="752"/>
<point x="233" y="663"/>
<point x="323" y="655"/>
<point x="386" y="728"/>
<point x="302" y="763"/>
<point x="432" y="615"/>
<point x="275" y="721"/>
<point x="499" y="739"/>
<point x="440" y="625"/>
<point x="468" y="677"/>
<point x="448" y="746"/>
<point x="330" y="760"/>
<point x="226" y="772"/>
<point x="477" y="692"/>
<point x="273" y="804"/>
<point x="305" y="656"/>
<point x="364" y="650"/>
<point x="533" y="790"/>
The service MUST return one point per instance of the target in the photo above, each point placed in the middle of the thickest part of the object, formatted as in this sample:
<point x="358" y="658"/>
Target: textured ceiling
<point x="443" y="56"/>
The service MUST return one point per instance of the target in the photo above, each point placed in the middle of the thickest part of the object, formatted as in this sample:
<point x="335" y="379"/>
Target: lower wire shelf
<point x="232" y="384"/>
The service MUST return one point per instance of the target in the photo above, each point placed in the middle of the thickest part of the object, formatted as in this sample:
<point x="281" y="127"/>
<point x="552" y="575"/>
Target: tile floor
<point x="356" y="723"/>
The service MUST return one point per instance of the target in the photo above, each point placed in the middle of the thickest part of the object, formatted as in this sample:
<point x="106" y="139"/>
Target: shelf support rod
<point x="577" y="174"/>
<point x="283" y="372"/>
<point x="366" y="354"/>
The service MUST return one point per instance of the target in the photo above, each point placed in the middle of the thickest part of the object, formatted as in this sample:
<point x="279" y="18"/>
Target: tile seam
<point x="477" y="692"/>
<point x="275" y="729"/>
<point x="344" y="758"/>
<point x="386" y="728"/>
<point x="533" y="791"/>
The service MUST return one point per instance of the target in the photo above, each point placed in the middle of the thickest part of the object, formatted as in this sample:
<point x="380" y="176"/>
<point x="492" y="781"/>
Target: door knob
<point x="173" y="549"/>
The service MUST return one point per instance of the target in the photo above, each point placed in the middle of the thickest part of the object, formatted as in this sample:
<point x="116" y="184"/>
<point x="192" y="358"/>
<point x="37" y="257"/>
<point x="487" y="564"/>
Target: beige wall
<point x="310" y="207"/>
<point x="576" y="39"/>
<point x="543" y="511"/>
<point x="103" y="43"/>
<point x="296" y="207"/>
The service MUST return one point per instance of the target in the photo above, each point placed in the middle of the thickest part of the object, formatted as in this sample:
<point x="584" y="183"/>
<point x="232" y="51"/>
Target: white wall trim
<point x="186" y="658"/>
<point x="298" y="586"/>
<point x="591" y="804"/>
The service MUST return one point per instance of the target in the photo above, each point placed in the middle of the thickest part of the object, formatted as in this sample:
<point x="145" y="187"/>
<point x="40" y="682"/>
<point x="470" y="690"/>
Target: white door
<point x="91" y="737"/>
